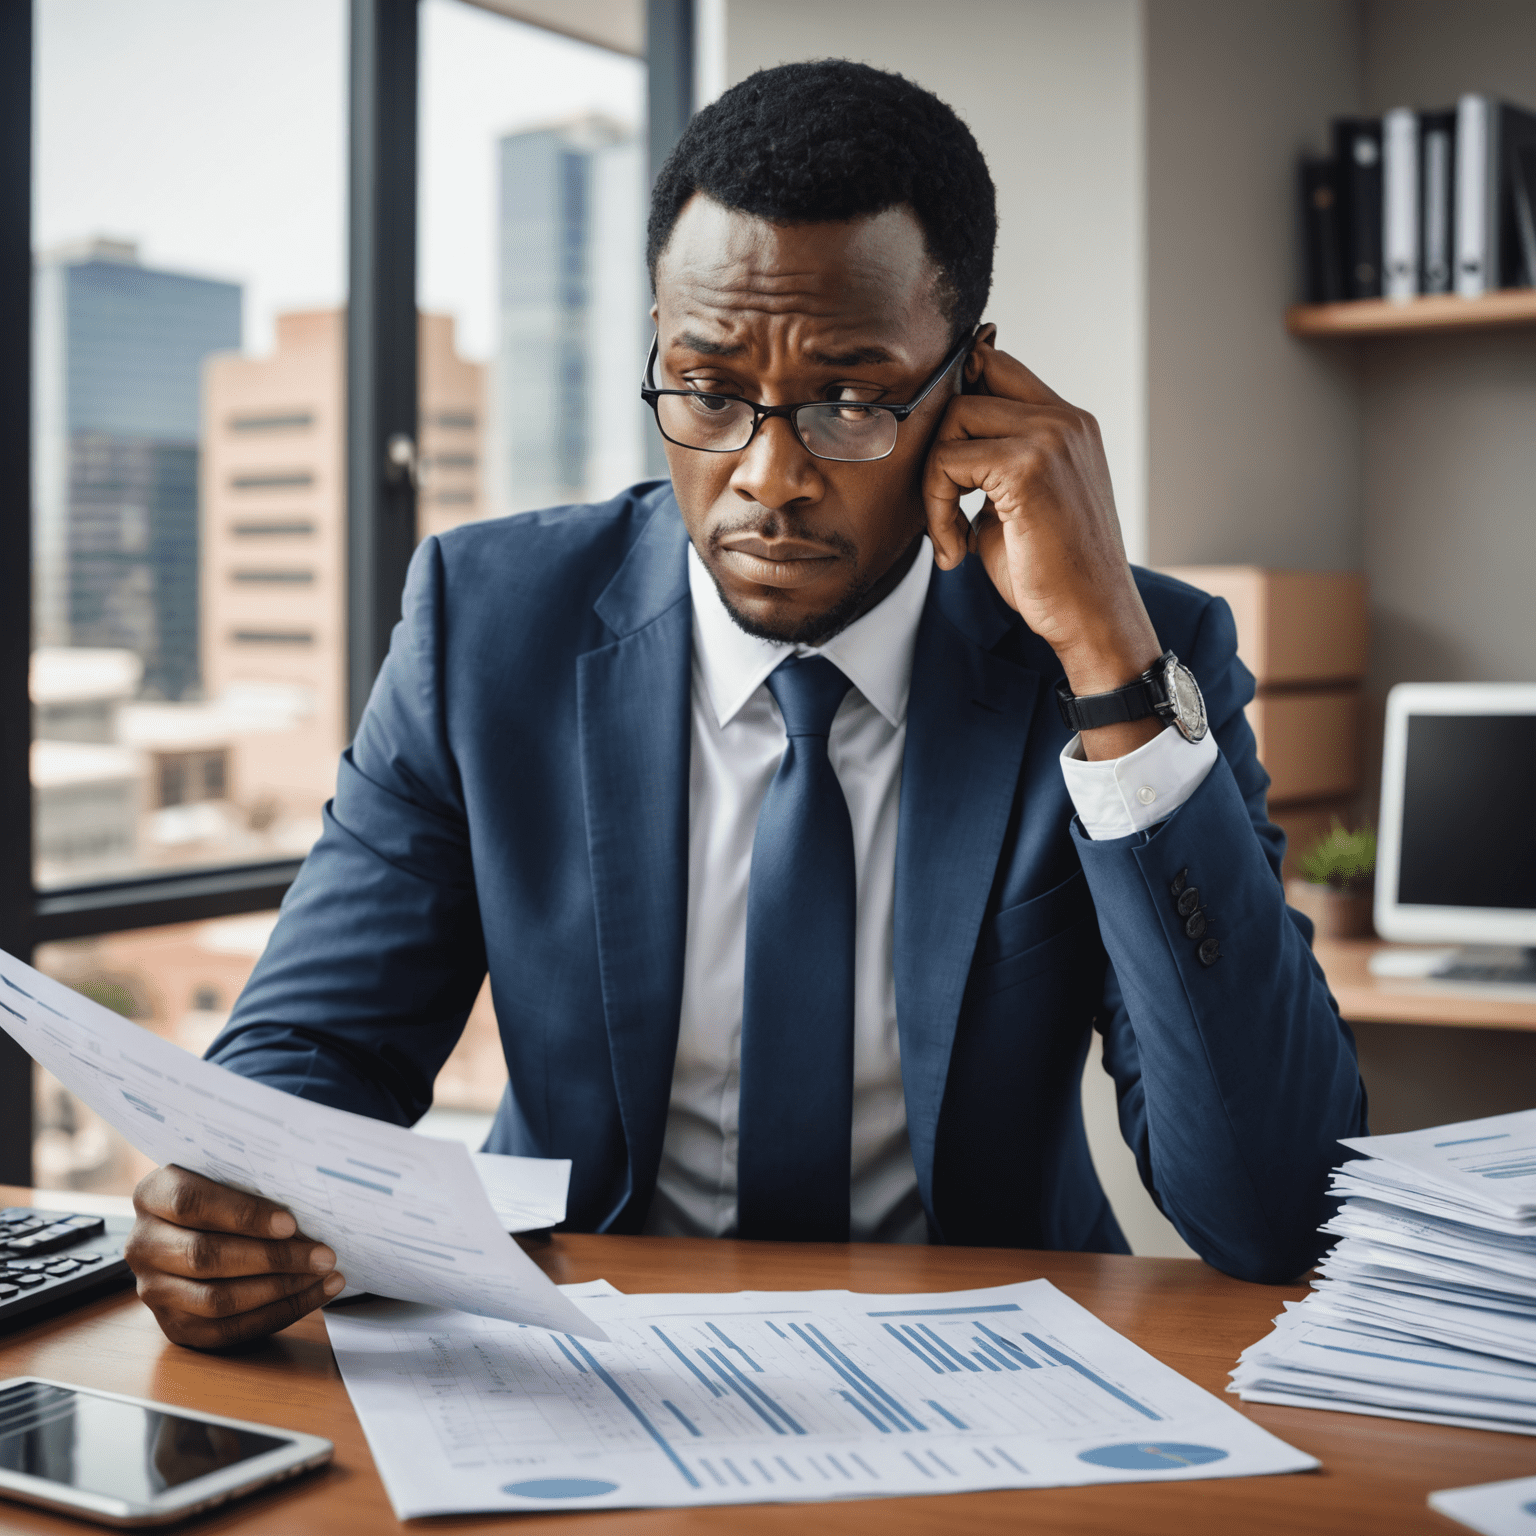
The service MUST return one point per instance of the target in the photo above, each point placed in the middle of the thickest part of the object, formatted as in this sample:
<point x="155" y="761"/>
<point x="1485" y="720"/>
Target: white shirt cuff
<point x="1122" y="795"/>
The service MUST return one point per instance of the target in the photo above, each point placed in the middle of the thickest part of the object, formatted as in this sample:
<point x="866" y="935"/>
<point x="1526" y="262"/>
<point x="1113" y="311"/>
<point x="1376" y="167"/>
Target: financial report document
<point x="527" y="1193"/>
<point x="1488" y="1164"/>
<point x="770" y="1396"/>
<point x="406" y="1214"/>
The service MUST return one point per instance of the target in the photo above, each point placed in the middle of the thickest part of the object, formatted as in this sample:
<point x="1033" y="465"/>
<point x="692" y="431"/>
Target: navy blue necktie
<point x="797" y="1015"/>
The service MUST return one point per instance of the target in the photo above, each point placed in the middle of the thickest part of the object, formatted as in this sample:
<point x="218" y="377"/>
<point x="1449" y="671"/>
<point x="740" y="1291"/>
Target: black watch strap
<point x="1135" y="701"/>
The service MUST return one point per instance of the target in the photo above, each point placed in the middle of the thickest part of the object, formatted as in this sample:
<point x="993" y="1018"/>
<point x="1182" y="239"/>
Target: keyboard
<point x="1522" y="973"/>
<point x="52" y="1260"/>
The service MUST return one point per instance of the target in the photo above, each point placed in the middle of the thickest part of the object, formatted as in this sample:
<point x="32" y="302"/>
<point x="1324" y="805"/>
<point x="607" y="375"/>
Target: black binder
<point x="1322" y="250"/>
<point x="1523" y="170"/>
<point x="1357" y="151"/>
<point x="1516" y="140"/>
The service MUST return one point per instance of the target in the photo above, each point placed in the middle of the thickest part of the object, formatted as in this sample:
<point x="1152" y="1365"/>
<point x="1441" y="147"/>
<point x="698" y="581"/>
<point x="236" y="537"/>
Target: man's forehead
<point x="857" y="275"/>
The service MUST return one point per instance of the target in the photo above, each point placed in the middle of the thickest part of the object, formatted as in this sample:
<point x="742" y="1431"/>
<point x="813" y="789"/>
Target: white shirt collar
<point x="874" y="652"/>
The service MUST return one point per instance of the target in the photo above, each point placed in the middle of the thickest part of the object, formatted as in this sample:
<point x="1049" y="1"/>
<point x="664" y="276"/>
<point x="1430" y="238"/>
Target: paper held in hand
<point x="406" y="1214"/>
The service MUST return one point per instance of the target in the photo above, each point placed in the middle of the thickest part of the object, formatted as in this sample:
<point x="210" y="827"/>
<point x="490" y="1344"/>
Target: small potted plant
<point x="1338" y="877"/>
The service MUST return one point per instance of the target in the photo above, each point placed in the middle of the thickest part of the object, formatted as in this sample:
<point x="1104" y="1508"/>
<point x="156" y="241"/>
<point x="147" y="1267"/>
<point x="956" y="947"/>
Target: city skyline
<point x="257" y="195"/>
<point x="119" y="348"/>
<point x="238" y="766"/>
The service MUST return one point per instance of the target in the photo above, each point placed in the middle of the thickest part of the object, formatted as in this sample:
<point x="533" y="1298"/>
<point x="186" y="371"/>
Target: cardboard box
<point x="1309" y="741"/>
<point x="1292" y="626"/>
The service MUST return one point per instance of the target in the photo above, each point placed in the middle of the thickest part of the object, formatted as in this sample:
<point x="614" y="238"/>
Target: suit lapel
<point x="633" y="712"/>
<point x="968" y="716"/>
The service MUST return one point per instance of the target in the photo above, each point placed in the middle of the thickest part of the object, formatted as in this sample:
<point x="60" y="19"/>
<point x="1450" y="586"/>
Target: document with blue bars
<point x="770" y="1396"/>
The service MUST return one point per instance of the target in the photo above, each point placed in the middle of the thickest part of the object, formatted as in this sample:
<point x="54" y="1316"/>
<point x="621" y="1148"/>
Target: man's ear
<point x="987" y="334"/>
<point x="654" y="313"/>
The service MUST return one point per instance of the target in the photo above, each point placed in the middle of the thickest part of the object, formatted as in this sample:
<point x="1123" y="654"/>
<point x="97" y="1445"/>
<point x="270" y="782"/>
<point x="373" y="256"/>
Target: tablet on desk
<point x="129" y="1462"/>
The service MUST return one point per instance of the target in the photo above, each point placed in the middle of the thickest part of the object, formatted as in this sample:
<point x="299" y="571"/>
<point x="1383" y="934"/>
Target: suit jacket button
<point x="1195" y="927"/>
<point x="1180" y="880"/>
<point x="1188" y="900"/>
<point x="1209" y="952"/>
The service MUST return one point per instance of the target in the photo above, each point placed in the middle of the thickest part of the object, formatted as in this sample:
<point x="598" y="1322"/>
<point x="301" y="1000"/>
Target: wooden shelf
<point x="1404" y="317"/>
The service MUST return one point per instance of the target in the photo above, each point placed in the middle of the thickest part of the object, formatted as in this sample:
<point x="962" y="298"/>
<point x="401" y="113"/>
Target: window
<point x="291" y="480"/>
<point x="271" y="637"/>
<point x="189" y="248"/>
<point x="276" y="422"/>
<point x="532" y="285"/>
<point x="267" y="530"/>
<point x="192" y="639"/>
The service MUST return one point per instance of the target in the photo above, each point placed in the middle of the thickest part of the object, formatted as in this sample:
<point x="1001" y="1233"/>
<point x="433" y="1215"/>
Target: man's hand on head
<point x="218" y="1267"/>
<point x="1048" y="533"/>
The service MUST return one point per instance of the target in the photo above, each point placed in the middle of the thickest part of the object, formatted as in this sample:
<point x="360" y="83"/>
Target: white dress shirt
<point x="737" y="741"/>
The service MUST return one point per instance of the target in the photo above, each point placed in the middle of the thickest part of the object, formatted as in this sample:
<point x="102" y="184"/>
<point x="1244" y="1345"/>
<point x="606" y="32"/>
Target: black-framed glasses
<point x="845" y="430"/>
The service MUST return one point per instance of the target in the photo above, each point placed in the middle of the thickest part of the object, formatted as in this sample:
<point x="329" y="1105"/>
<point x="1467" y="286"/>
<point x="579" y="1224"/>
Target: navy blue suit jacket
<point x="517" y="799"/>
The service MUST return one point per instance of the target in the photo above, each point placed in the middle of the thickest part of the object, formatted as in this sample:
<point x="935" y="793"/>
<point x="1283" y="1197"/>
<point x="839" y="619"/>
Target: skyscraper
<point x="573" y="313"/>
<point x="119" y="356"/>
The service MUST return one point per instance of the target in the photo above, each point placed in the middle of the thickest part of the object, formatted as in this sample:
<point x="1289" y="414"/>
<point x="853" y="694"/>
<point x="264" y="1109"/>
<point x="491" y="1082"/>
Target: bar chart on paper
<point x="775" y="1396"/>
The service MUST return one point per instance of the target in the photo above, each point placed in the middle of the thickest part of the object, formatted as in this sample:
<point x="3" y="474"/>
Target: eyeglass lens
<point x="721" y="424"/>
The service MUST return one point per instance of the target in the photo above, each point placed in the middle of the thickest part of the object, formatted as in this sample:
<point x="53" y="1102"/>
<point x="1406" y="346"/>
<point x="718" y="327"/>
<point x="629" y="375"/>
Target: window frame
<point x="382" y="434"/>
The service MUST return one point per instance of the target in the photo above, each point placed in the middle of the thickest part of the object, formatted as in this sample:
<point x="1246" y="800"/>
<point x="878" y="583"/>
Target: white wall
<point x="1145" y="152"/>
<point x="1450" y="421"/>
<point x="1053" y="93"/>
<point x="1413" y="457"/>
<point x="1253" y="436"/>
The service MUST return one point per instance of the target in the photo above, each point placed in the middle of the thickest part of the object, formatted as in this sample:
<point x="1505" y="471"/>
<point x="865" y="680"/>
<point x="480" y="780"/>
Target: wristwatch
<point x="1166" y="689"/>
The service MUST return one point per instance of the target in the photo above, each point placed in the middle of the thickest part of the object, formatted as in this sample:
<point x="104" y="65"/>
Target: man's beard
<point x="814" y="629"/>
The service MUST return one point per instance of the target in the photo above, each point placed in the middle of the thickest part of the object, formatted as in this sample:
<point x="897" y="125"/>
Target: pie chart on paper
<point x="1151" y="1456"/>
<point x="560" y="1488"/>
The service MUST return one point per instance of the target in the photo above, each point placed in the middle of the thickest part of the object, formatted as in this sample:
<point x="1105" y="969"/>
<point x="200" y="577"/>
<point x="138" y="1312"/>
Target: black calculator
<point x="52" y="1260"/>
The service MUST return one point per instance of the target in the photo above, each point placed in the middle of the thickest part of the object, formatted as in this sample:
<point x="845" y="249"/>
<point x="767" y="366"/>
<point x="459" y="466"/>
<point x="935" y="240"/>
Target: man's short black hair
<point x="832" y="140"/>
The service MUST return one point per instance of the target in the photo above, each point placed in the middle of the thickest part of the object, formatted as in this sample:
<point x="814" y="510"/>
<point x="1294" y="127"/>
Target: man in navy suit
<point x="806" y="831"/>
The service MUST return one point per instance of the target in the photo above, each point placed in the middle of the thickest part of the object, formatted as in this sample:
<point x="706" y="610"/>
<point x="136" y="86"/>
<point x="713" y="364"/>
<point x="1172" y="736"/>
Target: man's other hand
<point x="219" y="1268"/>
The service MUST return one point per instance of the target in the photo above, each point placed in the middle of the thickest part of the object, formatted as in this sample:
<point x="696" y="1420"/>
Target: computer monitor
<point x="1456" y="855"/>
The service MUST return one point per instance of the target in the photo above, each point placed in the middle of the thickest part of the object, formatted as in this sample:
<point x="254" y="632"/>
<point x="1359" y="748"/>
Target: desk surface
<point x="1376" y="1472"/>
<point x="1363" y="998"/>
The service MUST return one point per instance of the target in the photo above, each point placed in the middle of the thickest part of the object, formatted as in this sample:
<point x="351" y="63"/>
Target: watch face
<point x="1188" y="704"/>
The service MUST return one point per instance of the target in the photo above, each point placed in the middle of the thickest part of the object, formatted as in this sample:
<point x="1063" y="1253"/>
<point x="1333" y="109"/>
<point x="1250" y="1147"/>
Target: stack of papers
<point x="773" y="1396"/>
<point x="1426" y="1308"/>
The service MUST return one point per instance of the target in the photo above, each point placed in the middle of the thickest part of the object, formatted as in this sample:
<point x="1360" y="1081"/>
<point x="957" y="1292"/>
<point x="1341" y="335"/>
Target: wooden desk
<point x="1364" y="998"/>
<point x="1376" y="1472"/>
